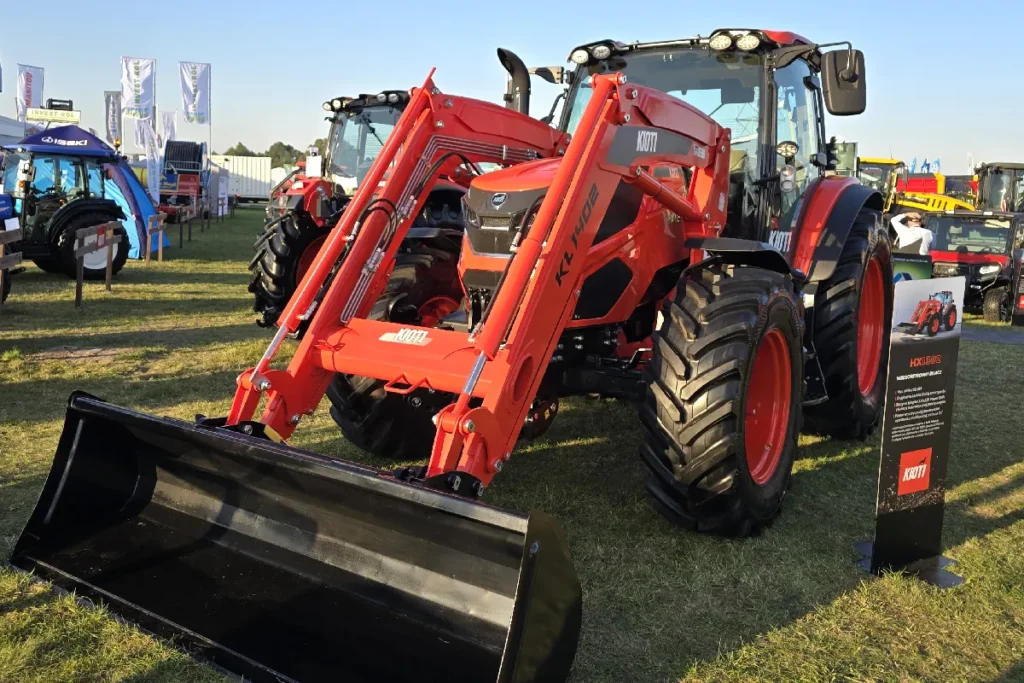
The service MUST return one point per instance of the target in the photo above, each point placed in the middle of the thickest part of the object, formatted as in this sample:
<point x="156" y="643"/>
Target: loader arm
<point x="624" y="130"/>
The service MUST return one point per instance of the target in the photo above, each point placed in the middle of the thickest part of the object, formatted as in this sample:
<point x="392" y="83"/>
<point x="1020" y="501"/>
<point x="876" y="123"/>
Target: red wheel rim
<point x="952" y="319"/>
<point x="870" y="327"/>
<point x="935" y="325"/>
<point x="769" y="393"/>
<point x="435" y="309"/>
<point x="308" y="256"/>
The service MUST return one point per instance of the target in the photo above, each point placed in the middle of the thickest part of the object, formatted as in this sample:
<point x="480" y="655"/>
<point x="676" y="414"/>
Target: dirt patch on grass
<point x="80" y="355"/>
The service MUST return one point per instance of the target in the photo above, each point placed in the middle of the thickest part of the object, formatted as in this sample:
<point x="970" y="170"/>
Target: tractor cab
<point x="765" y="86"/>
<point x="43" y="183"/>
<point x="882" y="175"/>
<point x="983" y="246"/>
<point x="57" y="179"/>
<point x="1001" y="187"/>
<point x="945" y="297"/>
<point x="359" y="128"/>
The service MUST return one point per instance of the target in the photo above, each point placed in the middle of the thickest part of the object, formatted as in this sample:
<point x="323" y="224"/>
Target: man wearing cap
<point x="911" y="231"/>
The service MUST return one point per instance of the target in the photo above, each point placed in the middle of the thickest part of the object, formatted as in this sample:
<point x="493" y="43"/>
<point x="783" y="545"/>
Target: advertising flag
<point x="30" y="89"/>
<point x="138" y="87"/>
<point x="195" y="92"/>
<point x="169" y="129"/>
<point x="153" y="151"/>
<point x="112" y="109"/>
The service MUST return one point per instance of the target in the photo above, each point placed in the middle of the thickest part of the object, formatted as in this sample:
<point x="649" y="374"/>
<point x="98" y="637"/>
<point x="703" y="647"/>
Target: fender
<point x="830" y="207"/>
<point x="746" y="252"/>
<point x="69" y="211"/>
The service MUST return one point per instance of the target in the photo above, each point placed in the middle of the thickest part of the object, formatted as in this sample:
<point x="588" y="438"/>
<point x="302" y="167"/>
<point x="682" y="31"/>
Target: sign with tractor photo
<point x="934" y="313"/>
<point x="916" y="428"/>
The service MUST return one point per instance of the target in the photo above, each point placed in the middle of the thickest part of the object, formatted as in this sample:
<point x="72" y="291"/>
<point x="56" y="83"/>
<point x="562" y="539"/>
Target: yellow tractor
<point x="891" y="178"/>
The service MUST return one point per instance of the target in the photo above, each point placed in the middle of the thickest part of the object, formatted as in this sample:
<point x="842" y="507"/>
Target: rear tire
<point x="66" y="248"/>
<point x="949" y="317"/>
<point x="853" y="410"/>
<point x="275" y="268"/>
<point x="995" y="305"/>
<point x="394" y="426"/>
<point x="701" y="472"/>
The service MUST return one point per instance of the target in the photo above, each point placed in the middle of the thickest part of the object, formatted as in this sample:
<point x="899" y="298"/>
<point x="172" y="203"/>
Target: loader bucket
<point x="282" y="565"/>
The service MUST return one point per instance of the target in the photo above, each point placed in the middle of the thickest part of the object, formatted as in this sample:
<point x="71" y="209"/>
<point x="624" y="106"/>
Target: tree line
<point x="280" y="153"/>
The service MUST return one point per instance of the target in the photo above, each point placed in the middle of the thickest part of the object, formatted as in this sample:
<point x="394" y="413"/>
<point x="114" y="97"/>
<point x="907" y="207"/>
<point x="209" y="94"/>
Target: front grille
<point x="494" y="222"/>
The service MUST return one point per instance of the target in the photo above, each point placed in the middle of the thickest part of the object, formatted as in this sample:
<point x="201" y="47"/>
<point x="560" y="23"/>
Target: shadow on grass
<point x="37" y="402"/>
<point x="169" y="339"/>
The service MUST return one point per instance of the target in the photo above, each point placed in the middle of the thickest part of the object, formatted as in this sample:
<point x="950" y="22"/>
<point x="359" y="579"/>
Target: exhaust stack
<point x="517" y="96"/>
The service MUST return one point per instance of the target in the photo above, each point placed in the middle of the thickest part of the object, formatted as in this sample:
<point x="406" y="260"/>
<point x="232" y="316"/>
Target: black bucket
<point x="281" y="565"/>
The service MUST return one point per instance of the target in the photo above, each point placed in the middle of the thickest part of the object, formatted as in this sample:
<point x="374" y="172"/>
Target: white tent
<point x="11" y="130"/>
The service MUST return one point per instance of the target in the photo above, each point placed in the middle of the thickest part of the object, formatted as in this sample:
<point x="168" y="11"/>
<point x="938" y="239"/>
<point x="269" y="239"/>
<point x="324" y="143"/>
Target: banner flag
<point x="30" y="89"/>
<point x="195" y="92"/>
<point x="138" y="87"/>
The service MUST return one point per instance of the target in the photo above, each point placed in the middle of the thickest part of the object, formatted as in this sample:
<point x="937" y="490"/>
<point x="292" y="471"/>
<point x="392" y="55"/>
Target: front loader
<point x="593" y="262"/>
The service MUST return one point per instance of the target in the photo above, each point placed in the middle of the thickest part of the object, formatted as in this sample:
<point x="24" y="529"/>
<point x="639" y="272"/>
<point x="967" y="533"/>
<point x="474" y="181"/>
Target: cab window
<point x="797" y="122"/>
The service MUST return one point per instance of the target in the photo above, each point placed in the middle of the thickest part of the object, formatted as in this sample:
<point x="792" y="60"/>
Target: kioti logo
<point x="915" y="471"/>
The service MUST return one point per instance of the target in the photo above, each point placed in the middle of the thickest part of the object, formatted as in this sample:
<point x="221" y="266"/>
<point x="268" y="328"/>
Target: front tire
<point x="385" y="424"/>
<point x="282" y="258"/>
<point x="852" y="314"/>
<point x="723" y="406"/>
<point x="995" y="305"/>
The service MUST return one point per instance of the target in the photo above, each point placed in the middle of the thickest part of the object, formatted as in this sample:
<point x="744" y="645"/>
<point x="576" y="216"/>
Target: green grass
<point x="661" y="604"/>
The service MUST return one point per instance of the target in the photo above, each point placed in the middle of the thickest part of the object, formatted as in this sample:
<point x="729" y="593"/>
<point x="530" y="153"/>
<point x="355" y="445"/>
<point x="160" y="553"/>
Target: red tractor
<point x="679" y="240"/>
<point x="306" y="205"/>
<point x="935" y="314"/>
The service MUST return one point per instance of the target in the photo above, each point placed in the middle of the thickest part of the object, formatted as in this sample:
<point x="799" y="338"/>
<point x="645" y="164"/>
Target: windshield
<point x="971" y="235"/>
<point x="725" y="86"/>
<point x="875" y="176"/>
<point x="357" y="138"/>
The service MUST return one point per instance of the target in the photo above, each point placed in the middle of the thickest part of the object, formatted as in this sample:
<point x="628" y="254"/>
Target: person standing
<point x="911" y="231"/>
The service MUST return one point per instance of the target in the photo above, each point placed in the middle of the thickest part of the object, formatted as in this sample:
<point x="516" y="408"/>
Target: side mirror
<point x="843" y="83"/>
<point x="552" y="74"/>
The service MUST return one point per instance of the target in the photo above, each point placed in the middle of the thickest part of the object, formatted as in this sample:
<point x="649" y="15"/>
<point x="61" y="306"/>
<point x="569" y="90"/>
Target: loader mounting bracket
<point x="460" y="483"/>
<point x="249" y="428"/>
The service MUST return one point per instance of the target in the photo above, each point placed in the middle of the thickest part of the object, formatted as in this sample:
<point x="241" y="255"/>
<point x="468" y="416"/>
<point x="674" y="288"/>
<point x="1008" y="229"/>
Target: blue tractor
<point x="57" y="181"/>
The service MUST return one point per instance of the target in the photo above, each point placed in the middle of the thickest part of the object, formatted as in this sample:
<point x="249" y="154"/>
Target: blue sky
<point x="275" y="63"/>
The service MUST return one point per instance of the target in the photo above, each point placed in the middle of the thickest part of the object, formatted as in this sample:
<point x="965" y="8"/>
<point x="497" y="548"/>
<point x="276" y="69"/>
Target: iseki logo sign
<point x="915" y="471"/>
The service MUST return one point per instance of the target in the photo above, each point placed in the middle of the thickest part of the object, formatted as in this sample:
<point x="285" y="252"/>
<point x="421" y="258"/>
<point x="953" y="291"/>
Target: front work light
<point x="720" y="41"/>
<point x="748" y="42"/>
<point x="601" y="52"/>
<point x="580" y="56"/>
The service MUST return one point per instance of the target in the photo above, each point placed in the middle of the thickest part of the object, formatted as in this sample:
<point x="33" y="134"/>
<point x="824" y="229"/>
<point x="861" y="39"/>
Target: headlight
<point x="471" y="217"/>
<point x="327" y="106"/>
<point x="748" y="42"/>
<point x="579" y="56"/>
<point x="720" y="41"/>
<point x="336" y="104"/>
<point x="989" y="269"/>
<point x="601" y="52"/>
<point x="393" y="97"/>
<point x="383" y="97"/>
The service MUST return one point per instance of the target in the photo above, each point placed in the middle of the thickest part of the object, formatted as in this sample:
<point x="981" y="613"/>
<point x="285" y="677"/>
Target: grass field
<point x="660" y="604"/>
